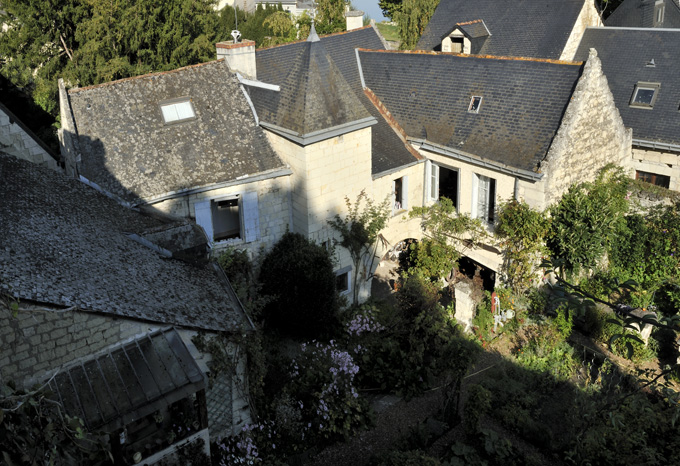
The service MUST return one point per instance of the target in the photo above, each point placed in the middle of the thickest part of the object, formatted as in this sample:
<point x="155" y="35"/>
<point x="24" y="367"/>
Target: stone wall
<point x="658" y="162"/>
<point x="588" y="17"/>
<point x="273" y="202"/>
<point x="591" y="135"/>
<point x="37" y="341"/>
<point x="19" y="141"/>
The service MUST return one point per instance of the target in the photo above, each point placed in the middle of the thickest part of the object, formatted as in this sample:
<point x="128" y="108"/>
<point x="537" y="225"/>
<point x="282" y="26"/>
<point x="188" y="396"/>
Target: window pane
<point x="169" y="113"/>
<point x="184" y="110"/>
<point x="644" y="96"/>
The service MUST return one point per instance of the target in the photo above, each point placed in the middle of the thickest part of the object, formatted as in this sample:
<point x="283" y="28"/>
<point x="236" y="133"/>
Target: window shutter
<point x="475" y="196"/>
<point x="434" y="194"/>
<point x="428" y="180"/>
<point x="404" y="192"/>
<point x="394" y="195"/>
<point x="204" y="218"/>
<point x="251" y="217"/>
<point x="483" y="197"/>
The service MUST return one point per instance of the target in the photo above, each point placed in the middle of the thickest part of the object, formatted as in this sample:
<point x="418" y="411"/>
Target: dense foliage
<point x="412" y="17"/>
<point x="298" y="275"/>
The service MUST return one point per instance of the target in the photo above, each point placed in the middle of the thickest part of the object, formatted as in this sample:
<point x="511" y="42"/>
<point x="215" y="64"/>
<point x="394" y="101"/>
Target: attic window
<point x="475" y="103"/>
<point x="645" y="95"/>
<point x="177" y="110"/>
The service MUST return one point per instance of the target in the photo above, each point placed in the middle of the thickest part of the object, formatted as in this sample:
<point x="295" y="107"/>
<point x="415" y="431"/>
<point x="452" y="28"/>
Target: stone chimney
<point x="355" y="19"/>
<point x="240" y="56"/>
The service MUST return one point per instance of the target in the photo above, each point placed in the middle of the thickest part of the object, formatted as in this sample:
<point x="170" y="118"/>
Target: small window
<point x="343" y="280"/>
<point x="176" y="111"/>
<point x="400" y="194"/>
<point x="475" y="103"/>
<point x="644" y="95"/>
<point x="659" y="12"/>
<point x="226" y="219"/>
<point x="457" y="44"/>
<point x="443" y="183"/>
<point x="658" y="180"/>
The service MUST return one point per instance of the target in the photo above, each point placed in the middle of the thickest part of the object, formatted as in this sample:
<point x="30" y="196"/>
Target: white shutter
<point x="428" y="183"/>
<point x="394" y="195"/>
<point x="404" y="192"/>
<point x="483" y="199"/>
<point x="434" y="183"/>
<point x="475" y="195"/>
<point x="204" y="218"/>
<point x="251" y="217"/>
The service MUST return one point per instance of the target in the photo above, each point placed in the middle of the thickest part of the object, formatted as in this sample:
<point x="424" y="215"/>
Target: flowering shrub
<point x="323" y="382"/>
<point x="240" y="449"/>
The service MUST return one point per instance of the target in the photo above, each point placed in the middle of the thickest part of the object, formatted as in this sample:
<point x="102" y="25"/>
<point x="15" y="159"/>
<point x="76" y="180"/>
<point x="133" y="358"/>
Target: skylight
<point x="644" y="95"/>
<point x="475" y="103"/>
<point x="177" y="110"/>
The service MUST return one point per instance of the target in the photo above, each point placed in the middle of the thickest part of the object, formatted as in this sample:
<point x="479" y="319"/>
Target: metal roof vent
<point x="651" y="64"/>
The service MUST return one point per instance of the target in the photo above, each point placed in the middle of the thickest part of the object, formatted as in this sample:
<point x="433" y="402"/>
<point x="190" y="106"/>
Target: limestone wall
<point x="658" y="162"/>
<point x="588" y="17"/>
<point x="17" y="140"/>
<point x="273" y="202"/>
<point x="591" y="135"/>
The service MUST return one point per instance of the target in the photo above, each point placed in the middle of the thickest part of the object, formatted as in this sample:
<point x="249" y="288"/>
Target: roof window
<point x="644" y="95"/>
<point x="177" y="110"/>
<point x="475" y="103"/>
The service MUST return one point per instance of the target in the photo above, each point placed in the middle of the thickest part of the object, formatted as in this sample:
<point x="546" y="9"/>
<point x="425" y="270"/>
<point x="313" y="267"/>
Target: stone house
<point x="334" y="134"/>
<point x="517" y="28"/>
<point x="18" y="140"/>
<point x="95" y="302"/>
<point x="645" y="14"/>
<point x="499" y="128"/>
<point x="641" y="67"/>
<point x="184" y="143"/>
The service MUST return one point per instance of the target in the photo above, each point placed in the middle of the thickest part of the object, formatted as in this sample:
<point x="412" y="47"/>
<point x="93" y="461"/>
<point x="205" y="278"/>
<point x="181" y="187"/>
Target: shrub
<point x="299" y="275"/>
<point x="407" y="458"/>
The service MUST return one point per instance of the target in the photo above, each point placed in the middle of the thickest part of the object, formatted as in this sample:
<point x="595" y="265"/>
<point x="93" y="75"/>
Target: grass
<point x="388" y="31"/>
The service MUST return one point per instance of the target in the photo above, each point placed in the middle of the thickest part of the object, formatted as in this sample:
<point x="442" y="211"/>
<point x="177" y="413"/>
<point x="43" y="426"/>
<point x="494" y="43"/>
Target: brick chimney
<point x="240" y="56"/>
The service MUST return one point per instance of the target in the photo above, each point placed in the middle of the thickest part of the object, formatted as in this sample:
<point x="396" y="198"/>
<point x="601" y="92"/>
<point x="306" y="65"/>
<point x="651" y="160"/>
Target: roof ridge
<point x="465" y="55"/>
<point x="323" y="36"/>
<point x="142" y="76"/>
<point x="470" y="22"/>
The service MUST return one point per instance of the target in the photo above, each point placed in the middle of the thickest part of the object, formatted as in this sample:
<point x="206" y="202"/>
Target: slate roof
<point x="640" y="13"/>
<point x="128" y="150"/>
<point x="624" y="54"/>
<point x="519" y="28"/>
<point x="65" y="244"/>
<point x="275" y="64"/>
<point x="523" y="101"/>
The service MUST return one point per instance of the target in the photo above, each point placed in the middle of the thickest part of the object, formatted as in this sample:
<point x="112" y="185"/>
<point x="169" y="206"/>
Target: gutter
<point x="395" y="170"/>
<point x="316" y="136"/>
<point x="656" y="145"/>
<point x="473" y="160"/>
<point x="275" y="173"/>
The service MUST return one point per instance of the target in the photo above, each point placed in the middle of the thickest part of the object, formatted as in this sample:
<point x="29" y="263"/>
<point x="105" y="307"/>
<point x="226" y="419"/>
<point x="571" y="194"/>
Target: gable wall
<point x="591" y="135"/>
<point x="588" y="17"/>
<point x="14" y="140"/>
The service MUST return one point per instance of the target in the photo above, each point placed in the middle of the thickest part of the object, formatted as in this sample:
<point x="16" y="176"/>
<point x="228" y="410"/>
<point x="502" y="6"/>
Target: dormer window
<point x="177" y="110"/>
<point x="659" y="8"/>
<point x="645" y="95"/>
<point x="475" y="103"/>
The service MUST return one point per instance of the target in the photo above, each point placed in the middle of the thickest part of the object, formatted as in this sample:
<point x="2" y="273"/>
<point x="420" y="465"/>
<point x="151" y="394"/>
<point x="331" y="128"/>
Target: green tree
<point x="390" y="8"/>
<point x="282" y="27"/>
<point x="413" y="17"/>
<point x="298" y="275"/>
<point x="359" y="231"/>
<point x="446" y="232"/>
<point x="330" y="16"/>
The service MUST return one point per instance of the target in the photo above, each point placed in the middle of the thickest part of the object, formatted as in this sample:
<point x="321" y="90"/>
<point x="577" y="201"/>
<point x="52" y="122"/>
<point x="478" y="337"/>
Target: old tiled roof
<point x="130" y="152"/>
<point x="429" y="94"/>
<point x="519" y="28"/>
<point x="64" y="244"/>
<point x="641" y="13"/>
<point x="274" y="64"/>
<point x="625" y="55"/>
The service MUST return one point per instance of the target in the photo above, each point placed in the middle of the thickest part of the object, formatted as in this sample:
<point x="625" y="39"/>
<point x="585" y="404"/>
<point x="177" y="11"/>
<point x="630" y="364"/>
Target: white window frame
<point x="345" y="270"/>
<point x="478" y="182"/>
<point x="249" y="217"/>
<point x="655" y="87"/>
<point x="399" y="205"/>
<point x="472" y="101"/>
<point x="177" y="110"/>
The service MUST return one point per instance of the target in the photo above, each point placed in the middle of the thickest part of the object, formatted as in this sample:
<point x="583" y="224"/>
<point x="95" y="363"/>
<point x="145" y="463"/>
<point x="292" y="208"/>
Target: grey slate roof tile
<point x="129" y="151"/>
<point x="640" y="13"/>
<point x="624" y="54"/>
<point x="519" y="28"/>
<point x="65" y="244"/>
<point x="274" y="64"/>
<point x="523" y="101"/>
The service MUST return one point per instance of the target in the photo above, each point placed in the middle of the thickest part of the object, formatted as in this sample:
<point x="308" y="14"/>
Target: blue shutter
<point x="204" y="218"/>
<point x="251" y="217"/>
